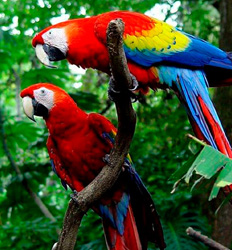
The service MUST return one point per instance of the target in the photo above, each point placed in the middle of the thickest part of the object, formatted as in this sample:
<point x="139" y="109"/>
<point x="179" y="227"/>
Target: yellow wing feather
<point x="161" y="38"/>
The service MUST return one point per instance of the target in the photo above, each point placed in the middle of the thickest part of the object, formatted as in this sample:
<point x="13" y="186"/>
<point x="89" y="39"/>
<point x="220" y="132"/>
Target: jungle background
<point x="32" y="199"/>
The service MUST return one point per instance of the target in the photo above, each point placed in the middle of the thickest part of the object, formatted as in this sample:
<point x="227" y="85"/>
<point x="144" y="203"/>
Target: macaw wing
<point x="106" y="131"/>
<point x="160" y="43"/>
<point x="135" y="195"/>
<point x="57" y="165"/>
<point x="114" y="207"/>
<point x="63" y="182"/>
<point x="149" y="41"/>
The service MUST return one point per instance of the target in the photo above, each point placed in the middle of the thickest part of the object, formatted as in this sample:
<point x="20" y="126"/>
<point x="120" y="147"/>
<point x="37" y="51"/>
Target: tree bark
<point x="204" y="239"/>
<point x="222" y="225"/>
<point x="126" y="125"/>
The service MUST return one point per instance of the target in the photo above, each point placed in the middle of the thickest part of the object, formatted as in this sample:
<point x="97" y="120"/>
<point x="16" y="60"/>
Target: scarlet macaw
<point x="77" y="144"/>
<point x="159" y="56"/>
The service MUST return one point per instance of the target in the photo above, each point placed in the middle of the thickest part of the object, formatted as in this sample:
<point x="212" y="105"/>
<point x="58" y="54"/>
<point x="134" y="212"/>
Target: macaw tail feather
<point x="130" y="237"/>
<point x="131" y="220"/>
<point x="221" y="141"/>
<point x="191" y="87"/>
<point x="146" y="216"/>
<point x="216" y="130"/>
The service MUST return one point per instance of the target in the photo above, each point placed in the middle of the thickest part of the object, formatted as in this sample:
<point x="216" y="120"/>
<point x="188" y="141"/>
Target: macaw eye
<point x="42" y="92"/>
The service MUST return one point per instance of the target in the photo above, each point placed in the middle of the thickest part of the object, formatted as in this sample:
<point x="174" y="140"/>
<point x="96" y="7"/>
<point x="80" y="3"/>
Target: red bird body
<point x="77" y="144"/>
<point x="159" y="56"/>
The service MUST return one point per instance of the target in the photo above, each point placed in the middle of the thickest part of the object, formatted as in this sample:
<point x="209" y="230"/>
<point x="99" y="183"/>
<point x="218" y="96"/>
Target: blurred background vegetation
<point x="32" y="200"/>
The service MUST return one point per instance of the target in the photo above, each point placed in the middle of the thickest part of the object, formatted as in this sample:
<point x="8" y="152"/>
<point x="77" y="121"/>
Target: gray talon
<point x="135" y="83"/>
<point x="114" y="94"/>
<point x="106" y="158"/>
<point x="74" y="196"/>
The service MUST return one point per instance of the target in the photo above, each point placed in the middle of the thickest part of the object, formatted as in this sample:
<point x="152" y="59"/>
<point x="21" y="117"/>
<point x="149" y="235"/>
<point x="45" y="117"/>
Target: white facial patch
<point x="56" y="37"/>
<point x="45" y="97"/>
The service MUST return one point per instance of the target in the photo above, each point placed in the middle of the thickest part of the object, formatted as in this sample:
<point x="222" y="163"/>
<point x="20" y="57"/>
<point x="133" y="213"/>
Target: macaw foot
<point x="125" y="165"/>
<point x="74" y="196"/>
<point x="106" y="158"/>
<point x="135" y="84"/>
<point x="115" y="94"/>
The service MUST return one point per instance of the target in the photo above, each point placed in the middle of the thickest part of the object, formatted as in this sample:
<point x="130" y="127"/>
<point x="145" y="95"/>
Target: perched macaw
<point x="159" y="56"/>
<point x="77" y="144"/>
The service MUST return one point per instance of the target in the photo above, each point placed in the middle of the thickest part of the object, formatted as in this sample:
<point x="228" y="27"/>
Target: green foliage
<point x="158" y="148"/>
<point x="86" y="101"/>
<point x="178" y="217"/>
<point x="28" y="234"/>
<point x="200" y="18"/>
<point x="208" y="163"/>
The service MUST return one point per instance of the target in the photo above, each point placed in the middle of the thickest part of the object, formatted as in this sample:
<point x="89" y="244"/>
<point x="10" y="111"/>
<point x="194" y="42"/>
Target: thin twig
<point x="204" y="239"/>
<point x="126" y="125"/>
<point x="196" y="140"/>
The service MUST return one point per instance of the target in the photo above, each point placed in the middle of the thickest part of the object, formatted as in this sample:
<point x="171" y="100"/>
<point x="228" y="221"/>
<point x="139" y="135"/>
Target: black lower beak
<point x="39" y="109"/>
<point x="54" y="54"/>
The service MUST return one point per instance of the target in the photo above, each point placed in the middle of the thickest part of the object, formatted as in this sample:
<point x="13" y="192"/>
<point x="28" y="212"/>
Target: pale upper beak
<point x="28" y="107"/>
<point x="42" y="56"/>
<point x="32" y="107"/>
<point x="47" y="53"/>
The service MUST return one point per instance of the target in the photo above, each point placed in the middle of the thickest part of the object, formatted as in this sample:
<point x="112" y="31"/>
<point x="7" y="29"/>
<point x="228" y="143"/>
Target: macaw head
<point x="51" y="44"/>
<point x="40" y="99"/>
<point x="73" y="40"/>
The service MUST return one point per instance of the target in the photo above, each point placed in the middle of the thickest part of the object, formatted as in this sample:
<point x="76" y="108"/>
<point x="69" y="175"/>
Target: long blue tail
<point x="191" y="86"/>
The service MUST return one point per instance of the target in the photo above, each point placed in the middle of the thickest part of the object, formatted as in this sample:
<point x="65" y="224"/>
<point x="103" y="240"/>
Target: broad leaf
<point x="207" y="163"/>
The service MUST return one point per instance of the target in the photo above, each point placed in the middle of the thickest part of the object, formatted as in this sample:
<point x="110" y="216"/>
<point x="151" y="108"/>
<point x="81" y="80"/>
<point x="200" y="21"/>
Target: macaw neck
<point x="64" y="120"/>
<point x="85" y="48"/>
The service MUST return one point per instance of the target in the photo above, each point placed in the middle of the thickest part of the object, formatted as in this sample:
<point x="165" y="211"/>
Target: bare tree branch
<point x="24" y="181"/>
<point x="126" y="125"/>
<point x="207" y="241"/>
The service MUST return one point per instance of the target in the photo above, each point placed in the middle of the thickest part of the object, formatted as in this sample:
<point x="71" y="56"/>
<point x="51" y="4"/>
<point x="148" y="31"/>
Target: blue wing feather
<point x="199" y="53"/>
<point x="115" y="213"/>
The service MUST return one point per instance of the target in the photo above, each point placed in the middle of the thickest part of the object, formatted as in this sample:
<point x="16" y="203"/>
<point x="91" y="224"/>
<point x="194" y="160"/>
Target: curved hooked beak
<point x="31" y="107"/>
<point x="47" y="53"/>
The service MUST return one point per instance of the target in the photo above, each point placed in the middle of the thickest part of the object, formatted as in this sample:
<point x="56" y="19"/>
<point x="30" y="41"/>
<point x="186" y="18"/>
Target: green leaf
<point x="207" y="163"/>
<point x="210" y="161"/>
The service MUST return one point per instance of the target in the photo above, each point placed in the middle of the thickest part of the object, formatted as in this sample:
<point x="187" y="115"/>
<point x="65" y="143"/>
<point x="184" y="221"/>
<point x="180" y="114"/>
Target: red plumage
<point x="159" y="56"/>
<point x="76" y="144"/>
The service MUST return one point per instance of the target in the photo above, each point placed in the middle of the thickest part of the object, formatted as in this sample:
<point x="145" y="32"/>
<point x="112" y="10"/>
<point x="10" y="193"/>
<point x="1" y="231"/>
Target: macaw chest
<point x="82" y="157"/>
